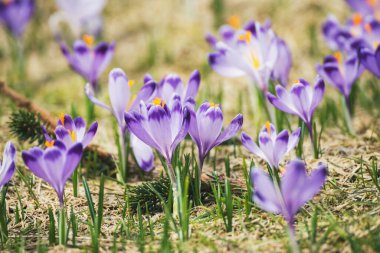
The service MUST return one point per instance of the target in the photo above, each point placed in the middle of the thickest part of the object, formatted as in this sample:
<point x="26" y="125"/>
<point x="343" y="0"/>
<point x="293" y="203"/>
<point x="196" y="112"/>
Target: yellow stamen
<point x="73" y="135"/>
<point x="88" y="39"/>
<point x="234" y="21"/>
<point x="49" y="144"/>
<point x="256" y="62"/>
<point x="296" y="81"/>
<point x="376" y="44"/>
<point x="214" y="105"/>
<point x="246" y="37"/>
<point x="357" y="19"/>
<point x="62" y="118"/>
<point x="368" y="28"/>
<point x="159" y="101"/>
<point x="267" y="126"/>
<point x="338" y="56"/>
<point x="131" y="83"/>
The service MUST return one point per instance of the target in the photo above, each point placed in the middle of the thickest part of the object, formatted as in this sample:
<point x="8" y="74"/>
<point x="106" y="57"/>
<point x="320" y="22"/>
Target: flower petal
<point x="143" y="153"/>
<point x="230" y="130"/>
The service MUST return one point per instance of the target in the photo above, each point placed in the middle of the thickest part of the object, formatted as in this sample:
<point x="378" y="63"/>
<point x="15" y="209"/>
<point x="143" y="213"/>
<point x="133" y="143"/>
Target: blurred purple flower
<point x="82" y="16"/>
<point x="301" y="101"/>
<point x="358" y="32"/>
<point x="371" y="60"/>
<point x="7" y="166"/>
<point x="291" y="193"/>
<point x="340" y="73"/>
<point x="88" y="60"/>
<point x="15" y="15"/>
<point x="71" y="131"/>
<point x="119" y="90"/>
<point x="206" y="129"/>
<point x="254" y="51"/>
<point x="272" y="146"/>
<point x="54" y="164"/>
<point x="365" y="7"/>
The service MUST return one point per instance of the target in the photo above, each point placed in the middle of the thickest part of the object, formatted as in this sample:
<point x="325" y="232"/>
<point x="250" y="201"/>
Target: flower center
<point x="338" y="56"/>
<point x="357" y="19"/>
<point x="131" y="83"/>
<point x="267" y="126"/>
<point x="73" y="135"/>
<point x="234" y="21"/>
<point x="88" y="39"/>
<point x="7" y="2"/>
<point x="159" y="101"/>
<point x="368" y="28"/>
<point x="62" y="118"/>
<point x="213" y="105"/>
<point x="49" y="144"/>
<point x="255" y="62"/>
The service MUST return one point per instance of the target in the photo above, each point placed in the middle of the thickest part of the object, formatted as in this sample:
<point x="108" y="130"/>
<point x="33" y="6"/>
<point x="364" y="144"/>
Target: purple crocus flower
<point x="365" y="7"/>
<point x="161" y="127"/>
<point x="301" y="101"/>
<point x="88" y="60"/>
<point x="82" y="16"/>
<point x="206" y="129"/>
<point x="335" y="35"/>
<point x="291" y="193"/>
<point x="283" y="64"/>
<point x="371" y="60"/>
<point x="340" y="73"/>
<point x="71" y="131"/>
<point x="272" y="146"/>
<point x="7" y="166"/>
<point x="119" y="89"/>
<point x="54" y="164"/>
<point x="252" y="51"/>
<point x="171" y="85"/>
<point x="15" y="15"/>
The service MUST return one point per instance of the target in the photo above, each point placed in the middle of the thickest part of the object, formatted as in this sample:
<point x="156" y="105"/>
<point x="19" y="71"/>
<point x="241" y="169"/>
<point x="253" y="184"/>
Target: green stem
<point x="175" y="189"/>
<point x="347" y="115"/>
<point x="62" y="226"/>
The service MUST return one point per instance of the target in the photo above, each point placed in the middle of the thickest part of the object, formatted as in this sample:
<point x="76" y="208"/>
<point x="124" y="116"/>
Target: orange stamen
<point x="372" y="3"/>
<point x="62" y="118"/>
<point x="338" y="56"/>
<point x="357" y="19"/>
<point x="368" y="28"/>
<point x="234" y="21"/>
<point x="49" y="144"/>
<point x="267" y="126"/>
<point x="88" y="39"/>
<point x="6" y="2"/>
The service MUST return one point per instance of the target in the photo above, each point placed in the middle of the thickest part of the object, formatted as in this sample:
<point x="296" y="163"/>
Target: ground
<point x="161" y="37"/>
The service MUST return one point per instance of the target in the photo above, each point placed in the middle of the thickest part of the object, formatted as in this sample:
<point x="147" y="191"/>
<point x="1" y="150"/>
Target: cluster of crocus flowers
<point x="120" y="95"/>
<point x="286" y="195"/>
<point x="82" y="16"/>
<point x="7" y="165"/>
<point x="272" y="146"/>
<point x="360" y="34"/>
<point x="16" y="14"/>
<point x="55" y="164"/>
<point x="302" y="100"/>
<point x="162" y="128"/>
<point x="87" y="59"/>
<point x="253" y="50"/>
<point x="71" y="131"/>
